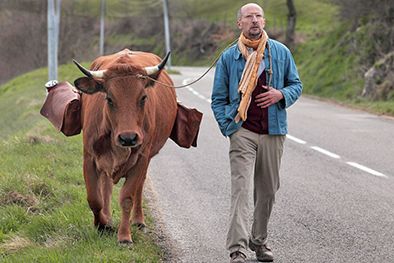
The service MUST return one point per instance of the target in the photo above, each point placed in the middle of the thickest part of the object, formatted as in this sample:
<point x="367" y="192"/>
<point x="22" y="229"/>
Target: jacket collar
<point x="237" y="53"/>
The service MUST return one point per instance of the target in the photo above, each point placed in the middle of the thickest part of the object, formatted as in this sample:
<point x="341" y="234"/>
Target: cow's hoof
<point x="140" y="227"/>
<point x="125" y="243"/>
<point x="106" y="229"/>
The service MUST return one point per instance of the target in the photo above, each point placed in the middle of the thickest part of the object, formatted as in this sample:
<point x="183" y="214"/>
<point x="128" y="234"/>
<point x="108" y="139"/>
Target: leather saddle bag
<point x="186" y="126"/>
<point x="62" y="108"/>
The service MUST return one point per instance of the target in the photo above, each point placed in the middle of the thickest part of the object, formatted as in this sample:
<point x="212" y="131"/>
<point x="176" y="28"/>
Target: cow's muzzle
<point x="132" y="140"/>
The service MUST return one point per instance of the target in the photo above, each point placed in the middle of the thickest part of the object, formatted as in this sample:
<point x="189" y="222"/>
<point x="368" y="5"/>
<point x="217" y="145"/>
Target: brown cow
<point x="126" y="120"/>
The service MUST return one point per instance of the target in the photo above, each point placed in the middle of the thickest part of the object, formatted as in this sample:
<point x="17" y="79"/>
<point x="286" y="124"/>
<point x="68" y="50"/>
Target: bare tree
<point x="291" y="22"/>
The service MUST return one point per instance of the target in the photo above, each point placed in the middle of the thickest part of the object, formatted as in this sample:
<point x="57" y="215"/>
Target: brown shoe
<point x="263" y="253"/>
<point x="237" y="257"/>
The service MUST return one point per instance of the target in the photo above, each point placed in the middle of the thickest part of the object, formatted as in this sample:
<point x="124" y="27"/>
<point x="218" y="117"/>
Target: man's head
<point x="251" y="21"/>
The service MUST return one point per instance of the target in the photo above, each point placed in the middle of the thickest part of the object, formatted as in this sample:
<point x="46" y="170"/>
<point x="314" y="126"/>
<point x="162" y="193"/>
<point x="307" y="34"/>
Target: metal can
<point x="50" y="85"/>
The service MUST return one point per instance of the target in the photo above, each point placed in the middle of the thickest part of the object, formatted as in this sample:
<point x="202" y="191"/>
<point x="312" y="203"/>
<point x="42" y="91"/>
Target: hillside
<point x="333" y="49"/>
<point x="353" y="62"/>
<point x="199" y="29"/>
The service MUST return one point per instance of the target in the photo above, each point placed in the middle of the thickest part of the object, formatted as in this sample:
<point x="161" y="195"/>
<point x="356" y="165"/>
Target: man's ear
<point x="239" y="24"/>
<point x="89" y="85"/>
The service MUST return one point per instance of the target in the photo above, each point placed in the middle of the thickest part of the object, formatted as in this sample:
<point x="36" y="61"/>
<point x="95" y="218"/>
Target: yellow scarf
<point x="249" y="75"/>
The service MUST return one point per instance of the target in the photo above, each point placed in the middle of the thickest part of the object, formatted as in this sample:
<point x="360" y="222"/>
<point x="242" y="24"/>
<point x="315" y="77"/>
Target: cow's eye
<point x="110" y="102"/>
<point x="143" y="100"/>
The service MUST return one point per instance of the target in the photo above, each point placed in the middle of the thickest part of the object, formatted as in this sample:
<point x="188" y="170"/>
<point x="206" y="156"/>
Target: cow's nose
<point x="128" y="140"/>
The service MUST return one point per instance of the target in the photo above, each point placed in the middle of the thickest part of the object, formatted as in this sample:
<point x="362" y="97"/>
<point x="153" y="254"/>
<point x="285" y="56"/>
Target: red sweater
<point x="257" y="118"/>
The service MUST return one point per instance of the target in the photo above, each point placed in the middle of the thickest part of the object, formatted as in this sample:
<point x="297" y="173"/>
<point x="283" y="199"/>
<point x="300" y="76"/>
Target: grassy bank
<point x="330" y="69"/>
<point x="44" y="215"/>
<point x="331" y="56"/>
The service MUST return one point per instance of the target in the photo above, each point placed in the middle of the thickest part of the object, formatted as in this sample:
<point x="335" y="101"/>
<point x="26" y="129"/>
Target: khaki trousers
<point x="256" y="155"/>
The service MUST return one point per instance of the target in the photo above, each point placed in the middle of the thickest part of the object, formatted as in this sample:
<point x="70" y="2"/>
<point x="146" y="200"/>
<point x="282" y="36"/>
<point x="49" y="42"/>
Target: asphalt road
<point x="336" y="198"/>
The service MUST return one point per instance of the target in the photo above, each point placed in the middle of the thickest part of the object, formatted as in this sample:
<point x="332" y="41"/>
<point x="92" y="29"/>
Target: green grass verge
<point x="44" y="215"/>
<point x="330" y="69"/>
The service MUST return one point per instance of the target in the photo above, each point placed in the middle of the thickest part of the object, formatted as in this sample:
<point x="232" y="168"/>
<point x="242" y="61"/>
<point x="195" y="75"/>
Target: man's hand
<point x="268" y="98"/>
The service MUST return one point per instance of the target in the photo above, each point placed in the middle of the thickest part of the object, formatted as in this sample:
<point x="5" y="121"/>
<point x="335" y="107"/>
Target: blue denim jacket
<point x="226" y="99"/>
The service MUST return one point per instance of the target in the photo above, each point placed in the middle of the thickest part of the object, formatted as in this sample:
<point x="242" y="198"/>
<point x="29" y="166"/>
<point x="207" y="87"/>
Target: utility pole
<point x="166" y="32"/>
<point x="53" y="38"/>
<point x="102" y="28"/>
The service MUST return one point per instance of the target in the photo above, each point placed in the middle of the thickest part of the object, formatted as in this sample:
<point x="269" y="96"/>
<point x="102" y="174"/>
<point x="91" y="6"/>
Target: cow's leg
<point x="93" y="190"/>
<point x="106" y="189"/>
<point x="131" y="195"/>
<point x="138" y="215"/>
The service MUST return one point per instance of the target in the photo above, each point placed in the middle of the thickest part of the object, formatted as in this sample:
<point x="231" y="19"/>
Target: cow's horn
<point x="91" y="74"/>
<point x="155" y="69"/>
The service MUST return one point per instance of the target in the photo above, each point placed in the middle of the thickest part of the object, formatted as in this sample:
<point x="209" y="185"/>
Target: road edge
<point x="163" y="237"/>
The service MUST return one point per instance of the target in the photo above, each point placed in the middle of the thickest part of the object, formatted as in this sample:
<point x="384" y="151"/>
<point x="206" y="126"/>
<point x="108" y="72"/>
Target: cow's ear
<point x="154" y="77"/>
<point x="89" y="85"/>
<point x="154" y="72"/>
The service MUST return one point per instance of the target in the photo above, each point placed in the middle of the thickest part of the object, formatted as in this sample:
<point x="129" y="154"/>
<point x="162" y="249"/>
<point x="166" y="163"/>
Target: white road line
<point x="295" y="139"/>
<point x="185" y="81"/>
<point x="333" y="155"/>
<point x="366" y="169"/>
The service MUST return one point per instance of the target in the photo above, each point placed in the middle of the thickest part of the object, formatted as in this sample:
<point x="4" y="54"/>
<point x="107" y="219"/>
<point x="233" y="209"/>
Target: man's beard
<point x="254" y="34"/>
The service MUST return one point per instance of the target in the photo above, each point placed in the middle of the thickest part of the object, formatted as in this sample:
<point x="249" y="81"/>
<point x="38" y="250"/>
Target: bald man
<point x="249" y="99"/>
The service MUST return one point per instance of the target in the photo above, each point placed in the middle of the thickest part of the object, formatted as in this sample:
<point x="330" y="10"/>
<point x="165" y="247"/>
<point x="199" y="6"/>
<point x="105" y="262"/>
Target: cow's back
<point x="135" y="58"/>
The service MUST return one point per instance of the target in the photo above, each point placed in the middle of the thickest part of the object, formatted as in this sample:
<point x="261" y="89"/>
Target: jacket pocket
<point x="230" y="111"/>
